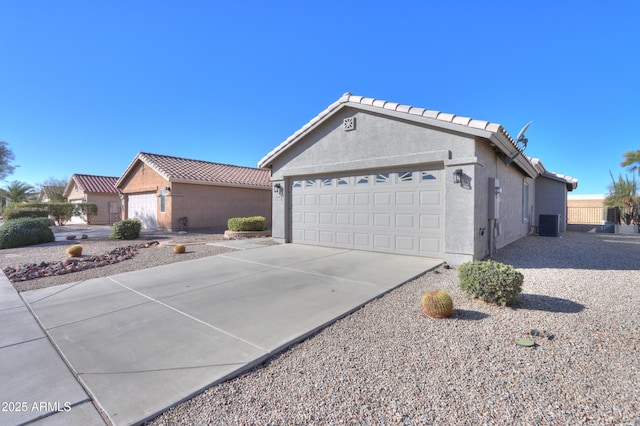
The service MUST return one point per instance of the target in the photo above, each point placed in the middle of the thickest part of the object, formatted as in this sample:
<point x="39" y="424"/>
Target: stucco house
<point x="175" y="193"/>
<point x="375" y="175"/>
<point x="99" y="190"/>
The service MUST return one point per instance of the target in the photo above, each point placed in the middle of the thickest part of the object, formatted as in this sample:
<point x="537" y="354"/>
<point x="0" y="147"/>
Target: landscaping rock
<point x="47" y="269"/>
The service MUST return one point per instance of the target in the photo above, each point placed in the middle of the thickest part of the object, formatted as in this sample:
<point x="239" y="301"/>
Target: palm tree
<point x="623" y="194"/>
<point x="17" y="192"/>
<point x="632" y="158"/>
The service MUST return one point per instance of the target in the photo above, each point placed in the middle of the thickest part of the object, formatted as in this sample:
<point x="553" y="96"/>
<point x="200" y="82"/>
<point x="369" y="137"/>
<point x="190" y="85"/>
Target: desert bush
<point x="491" y="281"/>
<point x="128" y="229"/>
<point x="437" y="304"/>
<point x="24" y="232"/>
<point x="253" y="223"/>
<point x="20" y="212"/>
<point x="179" y="248"/>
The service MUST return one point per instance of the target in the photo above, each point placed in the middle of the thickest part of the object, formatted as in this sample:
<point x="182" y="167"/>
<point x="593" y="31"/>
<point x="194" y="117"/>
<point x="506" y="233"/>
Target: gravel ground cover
<point x="196" y="243"/>
<point x="387" y="364"/>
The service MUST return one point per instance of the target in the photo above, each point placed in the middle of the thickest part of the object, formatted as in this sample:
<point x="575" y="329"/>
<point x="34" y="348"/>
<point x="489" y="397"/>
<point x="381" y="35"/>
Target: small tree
<point x="53" y="189"/>
<point x="623" y="194"/>
<point x="17" y="192"/>
<point x="632" y="158"/>
<point x="6" y="156"/>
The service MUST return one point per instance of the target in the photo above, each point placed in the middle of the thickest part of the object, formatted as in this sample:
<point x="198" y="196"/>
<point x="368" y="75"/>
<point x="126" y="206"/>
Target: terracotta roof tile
<point x="200" y="171"/>
<point x="96" y="184"/>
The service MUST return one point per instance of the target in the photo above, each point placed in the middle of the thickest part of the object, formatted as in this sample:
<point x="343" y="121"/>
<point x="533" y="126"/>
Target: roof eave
<point x="227" y="184"/>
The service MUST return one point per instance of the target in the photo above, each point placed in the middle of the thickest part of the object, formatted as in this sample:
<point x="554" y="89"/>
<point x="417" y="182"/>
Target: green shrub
<point x="61" y="212"/>
<point x="46" y="221"/>
<point x="24" y="232"/>
<point x="18" y="212"/>
<point x="128" y="229"/>
<point x="85" y="210"/>
<point x="490" y="281"/>
<point x="253" y="223"/>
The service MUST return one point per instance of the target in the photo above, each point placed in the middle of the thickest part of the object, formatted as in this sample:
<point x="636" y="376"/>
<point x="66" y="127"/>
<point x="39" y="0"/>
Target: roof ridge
<point x="199" y="161"/>
<point x="427" y="113"/>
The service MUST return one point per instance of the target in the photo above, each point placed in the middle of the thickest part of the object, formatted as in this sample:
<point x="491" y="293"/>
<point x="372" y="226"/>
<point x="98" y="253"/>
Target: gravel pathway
<point x="387" y="364"/>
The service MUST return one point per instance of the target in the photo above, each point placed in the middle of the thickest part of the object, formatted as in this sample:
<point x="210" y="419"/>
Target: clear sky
<point x="86" y="85"/>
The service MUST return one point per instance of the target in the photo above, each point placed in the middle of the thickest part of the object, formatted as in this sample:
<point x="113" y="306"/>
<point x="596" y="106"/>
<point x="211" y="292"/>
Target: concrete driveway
<point x="141" y="342"/>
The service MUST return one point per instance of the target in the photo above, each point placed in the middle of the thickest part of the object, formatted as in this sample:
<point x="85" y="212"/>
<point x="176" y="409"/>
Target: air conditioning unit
<point x="549" y="225"/>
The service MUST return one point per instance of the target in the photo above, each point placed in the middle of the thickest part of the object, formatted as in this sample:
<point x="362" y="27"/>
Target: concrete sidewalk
<point x="143" y="341"/>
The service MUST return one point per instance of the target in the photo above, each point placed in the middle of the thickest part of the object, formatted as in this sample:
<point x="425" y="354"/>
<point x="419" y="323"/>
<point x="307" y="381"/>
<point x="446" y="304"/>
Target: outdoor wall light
<point x="457" y="176"/>
<point x="277" y="188"/>
<point x="168" y="188"/>
<point x="498" y="190"/>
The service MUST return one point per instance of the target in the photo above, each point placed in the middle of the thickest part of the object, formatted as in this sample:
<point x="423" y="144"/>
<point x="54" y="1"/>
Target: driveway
<point x="141" y="342"/>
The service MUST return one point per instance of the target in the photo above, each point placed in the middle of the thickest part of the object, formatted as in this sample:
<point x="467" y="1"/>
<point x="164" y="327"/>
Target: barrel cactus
<point x="74" y="250"/>
<point x="179" y="248"/>
<point x="437" y="304"/>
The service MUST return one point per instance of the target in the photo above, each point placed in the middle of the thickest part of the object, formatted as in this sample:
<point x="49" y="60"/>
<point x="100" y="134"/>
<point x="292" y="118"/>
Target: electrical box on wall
<point x="494" y="198"/>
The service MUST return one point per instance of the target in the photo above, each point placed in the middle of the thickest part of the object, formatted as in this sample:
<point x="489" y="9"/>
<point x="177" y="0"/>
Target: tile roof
<point x="466" y="124"/>
<point x="94" y="184"/>
<point x="572" y="183"/>
<point x="185" y="170"/>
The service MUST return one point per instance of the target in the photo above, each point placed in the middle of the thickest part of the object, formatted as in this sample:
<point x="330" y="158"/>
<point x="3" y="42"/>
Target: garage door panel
<point x="326" y="200"/>
<point x="405" y="221"/>
<point x="343" y="200"/>
<point x="382" y="199"/>
<point x="406" y="243"/>
<point x="382" y="220"/>
<point x="311" y="218"/>
<point x="405" y="198"/>
<point x="429" y="198"/>
<point x="326" y="218"/>
<point x="145" y="208"/>
<point x="325" y="236"/>
<point x="361" y="219"/>
<point x="343" y="238"/>
<point x="361" y="200"/>
<point x="430" y="221"/>
<point x="343" y="218"/>
<point x="394" y="211"/>
<point x="382" y="242"/>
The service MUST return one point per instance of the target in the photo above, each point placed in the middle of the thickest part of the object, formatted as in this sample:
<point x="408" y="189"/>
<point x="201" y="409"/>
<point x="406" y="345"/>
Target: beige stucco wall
<point x="205" y="206"/>
<point x="208" y="206"/>
<point x="76" y="195"/>
<point x="141" y="179"/>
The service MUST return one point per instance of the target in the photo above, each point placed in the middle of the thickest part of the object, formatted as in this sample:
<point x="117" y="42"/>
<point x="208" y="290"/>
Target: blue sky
<point x="86" y="85"/>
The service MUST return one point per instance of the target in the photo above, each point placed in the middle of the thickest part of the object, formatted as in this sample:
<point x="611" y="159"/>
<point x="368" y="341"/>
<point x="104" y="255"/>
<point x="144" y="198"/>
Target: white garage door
<point x="390" y="211"/>
<point x="145" y="208"/>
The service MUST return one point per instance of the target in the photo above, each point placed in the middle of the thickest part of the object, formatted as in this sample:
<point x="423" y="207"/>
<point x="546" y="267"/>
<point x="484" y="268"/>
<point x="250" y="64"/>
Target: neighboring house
<point x="99" y="190"/>
<point x="49" y="192"/>
<point x="173" y="193"/>
<point x="375" y="175"/>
